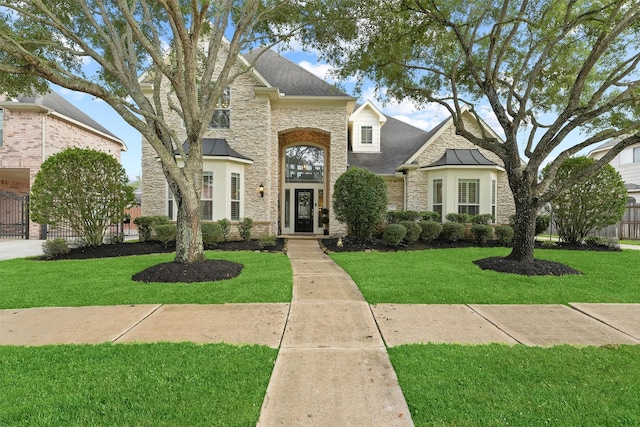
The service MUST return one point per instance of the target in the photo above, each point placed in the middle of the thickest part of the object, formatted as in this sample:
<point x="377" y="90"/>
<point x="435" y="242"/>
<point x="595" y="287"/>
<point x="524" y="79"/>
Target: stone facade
<point x="31" y="135"/>
<point x="418" y="188"/>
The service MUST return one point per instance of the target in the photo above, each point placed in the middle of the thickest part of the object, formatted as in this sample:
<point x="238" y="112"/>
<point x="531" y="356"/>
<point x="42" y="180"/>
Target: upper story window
<point x="222" y="114"/>
<point x="1" y="126"/>
<point x="636" y="155"/>
<point x="366" y="135"/>
<point x="304" y="163"/>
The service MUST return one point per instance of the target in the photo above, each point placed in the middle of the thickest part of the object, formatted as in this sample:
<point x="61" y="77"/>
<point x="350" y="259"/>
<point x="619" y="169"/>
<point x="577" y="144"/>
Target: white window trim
<point x="466" y="202"/>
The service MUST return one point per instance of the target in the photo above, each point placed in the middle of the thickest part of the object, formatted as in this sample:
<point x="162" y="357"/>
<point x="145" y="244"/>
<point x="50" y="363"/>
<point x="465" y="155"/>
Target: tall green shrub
<point x="244" y="228"/>
<point x="85" y="189"/>
<point x="225" y="226"/>
<point x="597" y="202"/>
<point x="212" y="234"/>
<point x="360" y="199"/>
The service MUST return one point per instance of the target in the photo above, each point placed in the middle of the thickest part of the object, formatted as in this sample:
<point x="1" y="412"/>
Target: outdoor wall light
<point x="261" y="190"/>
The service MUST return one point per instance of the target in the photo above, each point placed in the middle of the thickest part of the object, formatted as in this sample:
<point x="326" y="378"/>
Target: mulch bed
<point x="503" y="265"/>
<point x="173" y="272"/>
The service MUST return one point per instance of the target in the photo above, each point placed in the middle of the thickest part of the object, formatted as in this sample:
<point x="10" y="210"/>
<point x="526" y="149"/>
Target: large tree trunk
<point x="524" y="227"/>
<point x="189" y="248"/>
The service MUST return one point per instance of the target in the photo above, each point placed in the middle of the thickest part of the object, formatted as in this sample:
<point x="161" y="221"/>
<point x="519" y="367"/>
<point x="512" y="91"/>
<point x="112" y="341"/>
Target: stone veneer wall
<point x="395" y="190"/>
<point x="254" y="133"/>
<point x="22" y="147"/>
<point x="418" y="188"/>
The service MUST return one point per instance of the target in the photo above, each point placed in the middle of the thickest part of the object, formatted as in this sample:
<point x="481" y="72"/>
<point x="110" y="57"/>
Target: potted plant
<point x="325" y="221"/>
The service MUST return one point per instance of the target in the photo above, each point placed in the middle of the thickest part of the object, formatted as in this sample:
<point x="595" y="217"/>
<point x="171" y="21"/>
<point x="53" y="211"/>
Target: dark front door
<point x="304" y="211"/>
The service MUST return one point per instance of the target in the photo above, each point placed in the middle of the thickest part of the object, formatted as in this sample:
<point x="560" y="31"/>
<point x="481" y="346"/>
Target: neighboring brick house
<point x="283" y="130"/>
<point x="627" y="163"/>
<point x="32" y="128"/>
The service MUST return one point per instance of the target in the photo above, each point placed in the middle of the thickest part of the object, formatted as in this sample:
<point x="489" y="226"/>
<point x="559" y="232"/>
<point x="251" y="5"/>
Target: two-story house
<point x="32" y="128"/>
<point x="281" y="136"/>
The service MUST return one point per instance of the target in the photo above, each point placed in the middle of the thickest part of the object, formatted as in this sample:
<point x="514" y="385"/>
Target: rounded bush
<point x="413" y="231"/>
<point x="452" y="231"/>
<point x="393" y="234"/>
<point x="212" y="234"/>
<point x="430" y="216"/>
<point x="397" y="217"/>
<point x="166" y="233"/>
<point x="55" y="248"/>
<point x="485" y="219"/>
<point x="459" y="218"/>
<point x="504" y="234"/>
<point x="430" y="230"/>
<point x="481" y="233"/>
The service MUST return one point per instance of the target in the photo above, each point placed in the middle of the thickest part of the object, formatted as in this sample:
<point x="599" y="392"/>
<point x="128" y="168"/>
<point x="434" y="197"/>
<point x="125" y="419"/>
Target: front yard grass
<point x="134" y="384"/>
<point x="448" y="276"/>
<point x="24" y="283"/>
<point x="490" y="385"/>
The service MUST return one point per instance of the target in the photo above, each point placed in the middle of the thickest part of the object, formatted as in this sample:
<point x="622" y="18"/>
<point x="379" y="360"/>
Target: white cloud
<point x="321" y="70"/>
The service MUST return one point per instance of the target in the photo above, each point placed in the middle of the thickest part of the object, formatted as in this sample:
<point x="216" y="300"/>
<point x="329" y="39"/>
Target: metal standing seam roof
<point x="217" y="147"/>
<point x="462" y="157"/>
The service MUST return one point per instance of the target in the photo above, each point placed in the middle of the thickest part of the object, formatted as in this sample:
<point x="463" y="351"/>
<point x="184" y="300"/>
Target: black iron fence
<point x="14" y="215"/>
<point x="113" y="233"/>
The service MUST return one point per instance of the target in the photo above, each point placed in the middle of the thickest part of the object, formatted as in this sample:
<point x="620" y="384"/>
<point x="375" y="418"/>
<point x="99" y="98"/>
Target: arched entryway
<point x="304" y="178"/>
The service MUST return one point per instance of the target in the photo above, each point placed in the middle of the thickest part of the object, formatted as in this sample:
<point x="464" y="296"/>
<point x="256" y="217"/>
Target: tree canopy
<point x="124" y="51"/>
<point x="559" y="76"/>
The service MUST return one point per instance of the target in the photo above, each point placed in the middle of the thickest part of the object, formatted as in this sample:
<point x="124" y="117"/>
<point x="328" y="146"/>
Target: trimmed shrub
<point x="504" y="234"/>
<point x="397" y="217"/>
<point x="360" y="200"/>
<point x="244" y="228"/>
<point x="413" y="231"/>
<point x="485" y="219"/>
<point x="267" y="241"/>
<point x="481" y="233"/>
<point x="225" y="225"/>
<point x="146" y="225"/>
<point x="452" y="231"/>
<point x="211" y="234"/>
<point x="459" y="218"/>
<point x="55" y="248"/>
<point x="430" y="216"/>
<point x="430" y="230"/>
<point x="166" y="233"/>
<point x="393" y="234"/>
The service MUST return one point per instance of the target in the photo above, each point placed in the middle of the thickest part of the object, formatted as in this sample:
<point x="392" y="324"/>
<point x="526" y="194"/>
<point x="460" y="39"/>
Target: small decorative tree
<point x="360" y="199"/>
<point x="597" y="202"/>
<point x="84" y="189"/>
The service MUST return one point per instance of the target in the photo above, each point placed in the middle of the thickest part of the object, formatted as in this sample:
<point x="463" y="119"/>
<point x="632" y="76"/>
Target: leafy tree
<point x="547" y="70"/>
<point x="597" y="202"/>
<point x="82" y="188"/>
<point x="360" y="200"/>
<point x="181" y="42"/>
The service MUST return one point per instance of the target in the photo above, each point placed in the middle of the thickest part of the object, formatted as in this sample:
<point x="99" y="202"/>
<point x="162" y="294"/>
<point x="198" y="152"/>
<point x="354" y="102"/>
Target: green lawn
<point x="491" y="385"/>
<point x="448" y="276"/>
<point x="134" y="385"/>
<point x="266" y="277"/>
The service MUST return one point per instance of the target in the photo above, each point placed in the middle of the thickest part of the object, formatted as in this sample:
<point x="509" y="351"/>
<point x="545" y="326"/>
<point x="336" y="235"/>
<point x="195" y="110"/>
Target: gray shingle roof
<point x="398" y="142"/>
<point x="462" y="157"/>
<point x="290" y="78"/>
<point x="217" y="147"/>
<point x="57" y="103"/>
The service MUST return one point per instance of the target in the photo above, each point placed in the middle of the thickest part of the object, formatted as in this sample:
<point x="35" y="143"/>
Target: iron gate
<point x="14" y="215"/>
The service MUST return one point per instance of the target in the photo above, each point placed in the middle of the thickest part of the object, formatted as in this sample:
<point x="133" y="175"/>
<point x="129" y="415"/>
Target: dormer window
<point x="364" y="128"/>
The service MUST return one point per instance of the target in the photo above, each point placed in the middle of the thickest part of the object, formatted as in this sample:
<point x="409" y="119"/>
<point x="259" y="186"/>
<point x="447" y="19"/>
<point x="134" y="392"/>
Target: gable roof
<point x="291" y="79"/>
<point x="462" y="157"/>
<point x="54" y="102"/>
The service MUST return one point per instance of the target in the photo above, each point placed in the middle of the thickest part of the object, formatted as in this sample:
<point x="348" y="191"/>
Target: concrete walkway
<point x="333" y="368"/>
